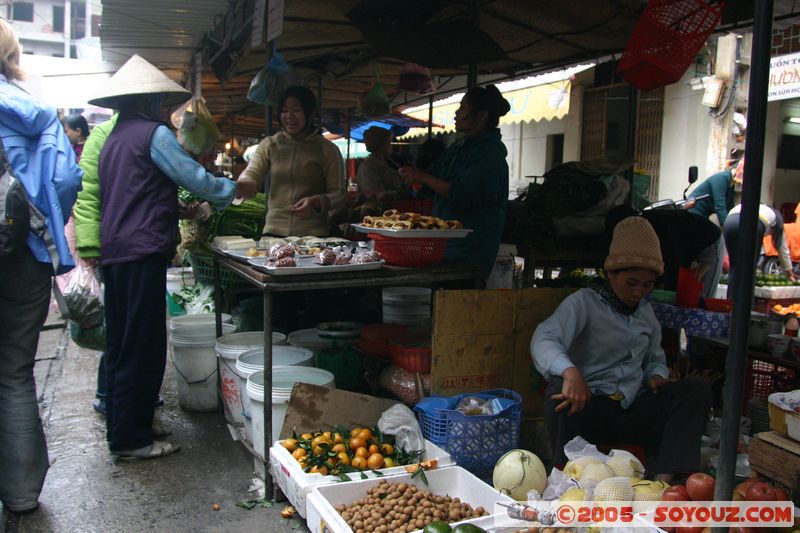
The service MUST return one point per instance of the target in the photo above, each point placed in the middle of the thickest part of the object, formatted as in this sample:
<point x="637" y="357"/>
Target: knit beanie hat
<point x="634" y="245"/>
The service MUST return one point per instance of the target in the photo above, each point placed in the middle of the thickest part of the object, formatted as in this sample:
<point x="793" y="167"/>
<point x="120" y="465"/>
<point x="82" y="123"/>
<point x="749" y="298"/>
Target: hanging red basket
<point x="666" y="40"/>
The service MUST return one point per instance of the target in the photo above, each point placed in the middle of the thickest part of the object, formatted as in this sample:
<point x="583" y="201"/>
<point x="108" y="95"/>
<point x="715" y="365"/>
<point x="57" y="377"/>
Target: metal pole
<point x="745" y="266"/>
<point x="430" y="116"/>
<point x="268" y="489"/>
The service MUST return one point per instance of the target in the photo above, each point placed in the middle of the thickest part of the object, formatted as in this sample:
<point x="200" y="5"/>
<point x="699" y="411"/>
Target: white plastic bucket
<point x="309" y="338"/>
<point x="195" y="364"/>
<point x="406" y="305"/>
<point x="283" y="379"/>
<point x="252" y="361"/>
<point x="177" y="277"/>
<point x="200" y="319"/>
<point x="228" y="348"/>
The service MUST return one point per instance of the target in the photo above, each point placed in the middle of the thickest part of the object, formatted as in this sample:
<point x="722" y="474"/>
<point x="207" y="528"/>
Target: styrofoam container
<point x="793" y="426"/>
<point x="452" y="481"/>
<point x="296" y="484"/>
<point x="309" y="338"/>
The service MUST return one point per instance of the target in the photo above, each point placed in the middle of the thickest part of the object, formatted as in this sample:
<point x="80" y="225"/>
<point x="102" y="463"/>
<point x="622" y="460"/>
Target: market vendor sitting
<point x="606" y="372"/>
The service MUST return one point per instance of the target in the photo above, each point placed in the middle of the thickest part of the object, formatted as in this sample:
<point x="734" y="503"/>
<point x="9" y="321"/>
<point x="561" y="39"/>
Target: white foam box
<point x="451" y="481"/>
<point x="312" y="409"/>
<point x="296" y="484"/>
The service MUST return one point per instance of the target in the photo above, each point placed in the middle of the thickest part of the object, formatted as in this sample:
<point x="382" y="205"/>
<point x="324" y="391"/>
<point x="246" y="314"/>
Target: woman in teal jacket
<point x="470" y="181"/>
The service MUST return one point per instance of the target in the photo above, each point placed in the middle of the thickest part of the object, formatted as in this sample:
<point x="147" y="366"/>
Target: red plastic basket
<point x="409" y="252"/>
<point x="375" y="339"/>
<point x="762" y="379"/>
<point x="666" y="40"/>
<point x="411" y="359"/>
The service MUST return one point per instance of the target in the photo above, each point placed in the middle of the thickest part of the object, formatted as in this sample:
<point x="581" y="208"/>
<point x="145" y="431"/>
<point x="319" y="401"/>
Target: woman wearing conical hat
<point x="140" y="168"/>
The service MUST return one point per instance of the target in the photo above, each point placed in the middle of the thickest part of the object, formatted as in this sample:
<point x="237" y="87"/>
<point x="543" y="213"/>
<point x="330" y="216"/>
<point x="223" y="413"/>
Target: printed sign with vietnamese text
<point x="784" y="77"/>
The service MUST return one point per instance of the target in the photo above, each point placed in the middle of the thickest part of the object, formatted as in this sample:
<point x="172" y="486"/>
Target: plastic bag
<point x="93" y="338"/>
<point x="184" y="116"/>
<point x="203" y="133"/>
<point x="472" y="405"/>
<point x="84" y="297"/>
<point x="399" y="421"/>
<point x="272" y="81"/>
<point x="415" y="78"/>
<point x="375" y="102"/>
<point x="580" y="447"/>
<point x="403" y="384"/>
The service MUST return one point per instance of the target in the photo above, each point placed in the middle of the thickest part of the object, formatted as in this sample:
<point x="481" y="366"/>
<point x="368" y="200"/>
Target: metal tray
<point x="415" y="233"/>
<point x="306" y="265"/>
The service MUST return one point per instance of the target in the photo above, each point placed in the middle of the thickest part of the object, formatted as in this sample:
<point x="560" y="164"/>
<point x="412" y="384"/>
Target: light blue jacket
<point x="614" y="352"/>
<point x="43" y="160"/>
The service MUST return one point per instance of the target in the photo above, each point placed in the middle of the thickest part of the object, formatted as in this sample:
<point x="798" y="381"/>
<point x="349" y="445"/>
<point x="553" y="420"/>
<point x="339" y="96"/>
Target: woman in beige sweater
<point x="304" y="171"/>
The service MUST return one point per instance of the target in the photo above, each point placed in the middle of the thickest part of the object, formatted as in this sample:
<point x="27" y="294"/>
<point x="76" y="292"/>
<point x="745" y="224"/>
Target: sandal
<point x="159" y="448"/>
<point x="160" y="430"/>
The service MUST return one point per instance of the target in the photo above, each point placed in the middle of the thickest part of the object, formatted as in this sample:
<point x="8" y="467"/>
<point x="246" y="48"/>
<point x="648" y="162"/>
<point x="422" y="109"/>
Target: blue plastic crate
<point x="475" y="442"/>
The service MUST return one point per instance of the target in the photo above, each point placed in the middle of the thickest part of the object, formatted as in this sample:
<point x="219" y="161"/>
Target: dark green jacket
<point x="477" y="171"/>
<point x="719" y="187"/>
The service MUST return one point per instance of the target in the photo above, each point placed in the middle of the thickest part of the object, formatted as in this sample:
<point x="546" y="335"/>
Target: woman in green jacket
<point x="470" y="181"/>
<point x="306" y="171"/>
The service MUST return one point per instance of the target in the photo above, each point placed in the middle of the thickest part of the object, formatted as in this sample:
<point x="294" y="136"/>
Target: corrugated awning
<point x="541" y="102"/>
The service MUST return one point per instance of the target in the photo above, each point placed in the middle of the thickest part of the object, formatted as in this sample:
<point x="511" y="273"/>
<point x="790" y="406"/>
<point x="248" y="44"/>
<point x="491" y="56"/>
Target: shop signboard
<point x="784" y="77"/>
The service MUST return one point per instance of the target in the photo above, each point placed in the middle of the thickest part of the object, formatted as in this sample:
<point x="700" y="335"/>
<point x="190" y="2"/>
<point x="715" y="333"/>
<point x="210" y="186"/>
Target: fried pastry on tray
<point x="369" y="222"/>
<point x="410" y="217"/>
<point x="402" y="224"/>
<point x="390" y="213"/>
<point x="382" y="222"/>
<point x="454" y="224"/>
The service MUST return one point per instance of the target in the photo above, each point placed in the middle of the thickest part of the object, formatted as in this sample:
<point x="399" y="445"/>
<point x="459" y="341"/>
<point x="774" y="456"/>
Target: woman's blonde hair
<point x="9" y="53"/>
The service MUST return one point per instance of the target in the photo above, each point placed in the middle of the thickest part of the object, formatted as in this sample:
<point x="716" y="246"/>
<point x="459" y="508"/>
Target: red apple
<point x="760" y="492"/>
<point x="781" y="495"/>
<point x="675" y="493"/>
<point x="740" y="491"/>
<point x="700" y="487"/>
<point x="686" y="529"/>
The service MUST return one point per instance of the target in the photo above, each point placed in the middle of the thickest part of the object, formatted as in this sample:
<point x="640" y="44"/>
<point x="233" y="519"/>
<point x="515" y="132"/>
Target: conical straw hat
<point x="137" y="76"/>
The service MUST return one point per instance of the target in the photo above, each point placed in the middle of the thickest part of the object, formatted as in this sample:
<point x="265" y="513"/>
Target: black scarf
<point x="603" y="288"/>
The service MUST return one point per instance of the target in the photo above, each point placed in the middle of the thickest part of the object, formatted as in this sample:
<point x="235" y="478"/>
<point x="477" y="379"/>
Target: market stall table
<point x="695" y="322"/>
<point x="445" y="272"/>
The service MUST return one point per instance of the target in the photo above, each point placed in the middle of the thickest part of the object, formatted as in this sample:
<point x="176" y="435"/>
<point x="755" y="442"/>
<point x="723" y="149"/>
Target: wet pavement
<point x="86" y="490"/>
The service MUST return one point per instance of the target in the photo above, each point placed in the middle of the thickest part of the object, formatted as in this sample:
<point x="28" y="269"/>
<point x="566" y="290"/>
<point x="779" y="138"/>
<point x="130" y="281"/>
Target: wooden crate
<point x="778" y="458"/>
<point x="481" y="340"/>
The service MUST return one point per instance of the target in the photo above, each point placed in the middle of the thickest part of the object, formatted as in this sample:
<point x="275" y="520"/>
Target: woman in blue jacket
<point x="42" y="159"/>
<point x="470" y="181"/>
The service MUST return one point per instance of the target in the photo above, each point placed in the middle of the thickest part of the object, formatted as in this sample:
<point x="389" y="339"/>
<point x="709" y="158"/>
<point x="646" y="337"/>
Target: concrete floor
<point x="86" y="490"/>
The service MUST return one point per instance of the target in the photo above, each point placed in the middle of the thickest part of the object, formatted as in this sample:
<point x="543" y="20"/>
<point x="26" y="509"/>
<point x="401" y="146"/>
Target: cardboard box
<point x="453" y="481"/>
<point x="481" y="340"/>
<point x="313" y="409"/>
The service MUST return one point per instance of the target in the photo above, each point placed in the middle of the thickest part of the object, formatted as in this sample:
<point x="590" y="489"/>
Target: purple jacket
<point x="138" y="202"/>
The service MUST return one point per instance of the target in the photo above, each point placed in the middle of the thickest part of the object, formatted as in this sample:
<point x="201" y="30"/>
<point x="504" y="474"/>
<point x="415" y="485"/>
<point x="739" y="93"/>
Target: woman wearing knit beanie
<point x="607" y="377"/>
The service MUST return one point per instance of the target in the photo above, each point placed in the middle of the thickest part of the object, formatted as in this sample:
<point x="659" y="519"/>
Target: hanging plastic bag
<point x="184" y="116"/>
<point x="375" y="103"/>
<point x="415" y="78"/>
<point x="93" y="338"/>
<point x="400" y="421"/>
<point x="272" y="81"/>
<point x="203" y="133"/>
<point x="84" y="297"/>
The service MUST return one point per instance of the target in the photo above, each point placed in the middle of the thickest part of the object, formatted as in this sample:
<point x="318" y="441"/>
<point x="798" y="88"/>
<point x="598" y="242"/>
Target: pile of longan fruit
<point x="403" y="507"/>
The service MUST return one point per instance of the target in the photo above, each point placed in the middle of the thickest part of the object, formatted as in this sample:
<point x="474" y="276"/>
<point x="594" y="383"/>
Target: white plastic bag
<point x="83" y="297"/>
<point x="399" y="421"/>
<point x="580" y="447"/>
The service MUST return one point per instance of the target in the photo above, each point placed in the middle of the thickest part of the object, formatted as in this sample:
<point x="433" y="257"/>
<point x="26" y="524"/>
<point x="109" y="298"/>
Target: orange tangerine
<point x="289" y="444"/>
<point x="373" y="448"/>
<point x="362" y="452"/>
<point x="375" y="461"/>
<point x="387" y="449"/>
<point x="357" y="442"/>
<point x="340" y="447"/>
<point x="359" y="462"/>
<point x="343" y="458"/>
<point x="298" y="453"/>
<point x="388" y="462"/>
